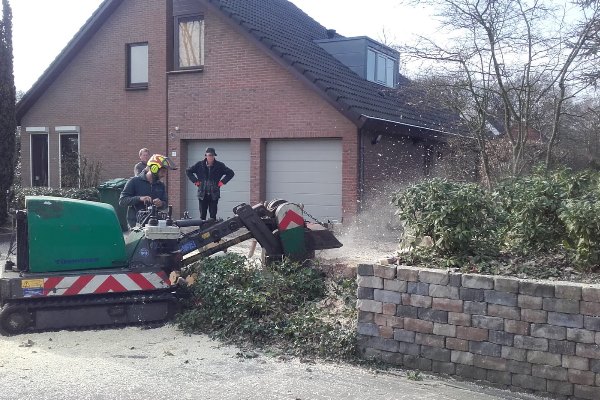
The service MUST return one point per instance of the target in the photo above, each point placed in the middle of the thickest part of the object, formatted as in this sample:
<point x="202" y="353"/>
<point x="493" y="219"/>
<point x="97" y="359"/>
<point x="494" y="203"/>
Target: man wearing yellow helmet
<point x="146" y="188"/>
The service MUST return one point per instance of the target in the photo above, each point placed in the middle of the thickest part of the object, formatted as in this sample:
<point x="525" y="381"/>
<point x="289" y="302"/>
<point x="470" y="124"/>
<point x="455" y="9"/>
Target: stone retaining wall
<point x="542" y="336"/>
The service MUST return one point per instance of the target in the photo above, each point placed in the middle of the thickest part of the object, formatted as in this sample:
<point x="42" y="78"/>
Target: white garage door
<point x="236" y="155"/>
<point x="308" y="172"/>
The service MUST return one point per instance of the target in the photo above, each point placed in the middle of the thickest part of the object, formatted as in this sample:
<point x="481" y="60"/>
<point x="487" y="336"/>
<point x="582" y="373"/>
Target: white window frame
<point x="373" y="75"/>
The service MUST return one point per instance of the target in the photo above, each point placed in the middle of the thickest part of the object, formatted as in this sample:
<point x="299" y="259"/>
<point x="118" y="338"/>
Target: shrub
<point x="18" y="200"/>
<point x="582" y="222"/>
<point x="459" y="217"/>
<point x="235" y="300"/>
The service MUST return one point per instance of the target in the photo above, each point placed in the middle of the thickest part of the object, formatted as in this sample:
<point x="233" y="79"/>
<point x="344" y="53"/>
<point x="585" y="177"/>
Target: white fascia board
<point x="67" y="129"/>
<point x="36" y="129"/>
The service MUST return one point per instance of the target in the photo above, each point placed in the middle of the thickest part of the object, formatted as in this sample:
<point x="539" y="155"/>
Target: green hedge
<point x="18" y="200"/>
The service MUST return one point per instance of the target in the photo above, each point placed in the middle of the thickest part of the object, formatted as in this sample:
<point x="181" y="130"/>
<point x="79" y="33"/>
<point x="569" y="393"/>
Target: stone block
<point x="543" y="357"/>
<point x="485" y="348"/>
<point x="587" y="392"/>
<point x="457" y="344"/>
<point x="461" y="357"/>
<point x="409" y="348"/>
<point x="529" y="382"/>
<point x="516" y="327"/>
<point x="364" y="269"/>
<point x="405" y="273"/>
<point x="389" y="309"/>
<point x="560" y="388"/>
<point x="537" y="316"/>
<point x="402" y="335"/>
<point x="587" y="350"/>
<point x="441" y="367"/>
<point x="512" y="353"/>
<point x="417" y="362"/>
<point x="407" y="311"/>
<point x="429" y="314"/>
<point x="395" y="285"/>
<point x="469" y="371"/>
<point x="502" y="298"/>
<point x="447" y="304"/>
<point x="580" y="335"/>
<point x="487" y="362"/>
<point x="496" y="310"/>
<point x="591" y="293"/>
<point x="501" y="337"/>
<point x="455" y="279"/>
<point x="561" y="347"/>
<point x="486" y="322"/>
<point x="418" y="288"/>
<point x="444" y="329"/>
<point x="386" y="332"/>
<point x="537" y="289"/>
<point x="370" y="281"/>
<point x="567" y="291"/>
<point x="420" y="301"/>
<point x="591" y="323"/>
<point x="594" y="365"/>
<point x="502" y="377"/>
<point x="364" y="328"/>
<point x="435" y="353"/>
<point x="370" y="306"/>
<point x="581" y="377"/>
<point x="519" y="367"/>
<point x="384" y="271"/>
<point x="503" y="284"/>
<point x="568" y="320"/>
<point x="418" y="325"/>
<point x="530" y="302"/>
<point x="437" y="277"/>
<point x="430" y="340"/>
<point x="477" y="281"/>
<point x="461" y="319"/>
<point x="472" y="307"/>
<point x="468" y="333"/>
<point x="576" y="362"/>
<point x="365" y="316"/>
<point x="365" y="293"/>
<point x="589" y="308"/>
<point x="387" y="296"/>
<point x="470" y="294"/>
<point x="531" y="343"/>
<point x="561" y="305"/>
<point x="447" y="292"/>
<point x="548" y="372"/>
<point x="549" y="331"/>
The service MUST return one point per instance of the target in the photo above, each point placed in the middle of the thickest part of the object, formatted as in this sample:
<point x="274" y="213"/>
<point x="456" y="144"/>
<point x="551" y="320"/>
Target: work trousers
<point x="208" y="204"/>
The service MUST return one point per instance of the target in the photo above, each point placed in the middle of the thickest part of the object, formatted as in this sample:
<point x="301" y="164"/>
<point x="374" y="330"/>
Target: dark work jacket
<point x="135" y="188"/>
<point x="209" y="181"/>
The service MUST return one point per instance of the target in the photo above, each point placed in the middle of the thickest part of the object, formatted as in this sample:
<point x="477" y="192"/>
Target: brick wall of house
<point x="90" y="93"/>
<point x="243" y="93"/>
<point x="540" y="336"/>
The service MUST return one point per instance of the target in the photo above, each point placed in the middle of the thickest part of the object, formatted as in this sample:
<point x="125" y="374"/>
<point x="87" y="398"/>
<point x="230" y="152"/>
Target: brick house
<point x="298" y="111"/>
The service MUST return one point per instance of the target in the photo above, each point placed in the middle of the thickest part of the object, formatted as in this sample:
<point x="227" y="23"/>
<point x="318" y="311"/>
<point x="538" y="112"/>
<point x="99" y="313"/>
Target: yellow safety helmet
<point x="158" y="161"/>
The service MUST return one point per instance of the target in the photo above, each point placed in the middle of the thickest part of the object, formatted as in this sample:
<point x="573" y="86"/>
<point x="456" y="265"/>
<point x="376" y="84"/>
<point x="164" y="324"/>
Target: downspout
<point x="361" y="169"/>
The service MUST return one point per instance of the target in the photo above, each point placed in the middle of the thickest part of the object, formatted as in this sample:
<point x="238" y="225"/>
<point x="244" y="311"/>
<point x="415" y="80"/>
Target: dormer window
<point x="380" y="68"/>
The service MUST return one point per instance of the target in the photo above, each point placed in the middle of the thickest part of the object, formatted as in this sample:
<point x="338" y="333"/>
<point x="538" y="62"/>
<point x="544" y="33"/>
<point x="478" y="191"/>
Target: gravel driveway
<point x="163" y="363"/>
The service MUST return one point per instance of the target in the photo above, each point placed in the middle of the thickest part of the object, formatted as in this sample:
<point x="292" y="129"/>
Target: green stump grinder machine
<point x="75" y="268"/>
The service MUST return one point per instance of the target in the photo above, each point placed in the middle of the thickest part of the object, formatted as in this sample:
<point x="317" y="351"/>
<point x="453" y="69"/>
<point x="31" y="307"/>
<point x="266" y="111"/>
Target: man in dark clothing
<point x="146" y="188"/>
<point x="209" y="175"/>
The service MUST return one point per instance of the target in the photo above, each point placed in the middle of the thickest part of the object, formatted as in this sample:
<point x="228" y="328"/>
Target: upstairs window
<point x="380" y="68"/>
<point x="189" y="42"/>
<point x="137" y="66"/>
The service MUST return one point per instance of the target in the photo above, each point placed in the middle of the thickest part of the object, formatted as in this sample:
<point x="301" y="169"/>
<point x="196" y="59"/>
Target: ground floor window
<point x="39" y="160"/>
<point x="69" y="160"/>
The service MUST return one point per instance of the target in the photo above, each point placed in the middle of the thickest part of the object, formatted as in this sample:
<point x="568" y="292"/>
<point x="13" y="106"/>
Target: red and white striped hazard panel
<point x="97" y="284"/>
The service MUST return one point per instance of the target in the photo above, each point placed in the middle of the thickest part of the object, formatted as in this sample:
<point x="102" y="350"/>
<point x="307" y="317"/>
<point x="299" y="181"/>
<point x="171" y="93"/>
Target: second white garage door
<point x="236" y="155"/>
<point x="307" y="171"/>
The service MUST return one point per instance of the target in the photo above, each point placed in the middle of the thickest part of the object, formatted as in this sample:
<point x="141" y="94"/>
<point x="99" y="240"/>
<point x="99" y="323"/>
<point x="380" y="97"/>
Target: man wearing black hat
<point x="209" y="175"/>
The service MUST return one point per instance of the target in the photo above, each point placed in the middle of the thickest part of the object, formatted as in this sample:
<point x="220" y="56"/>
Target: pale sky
<point x="42" y="28"/>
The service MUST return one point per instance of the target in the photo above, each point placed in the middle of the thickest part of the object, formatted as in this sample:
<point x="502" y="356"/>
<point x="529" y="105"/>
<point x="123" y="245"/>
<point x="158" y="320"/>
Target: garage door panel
<point x="236" y="155"/>
<point x="307" y="171"/>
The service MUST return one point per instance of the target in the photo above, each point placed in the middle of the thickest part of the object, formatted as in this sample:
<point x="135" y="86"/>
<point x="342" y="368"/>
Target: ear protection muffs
<point x="154" y="168"/>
